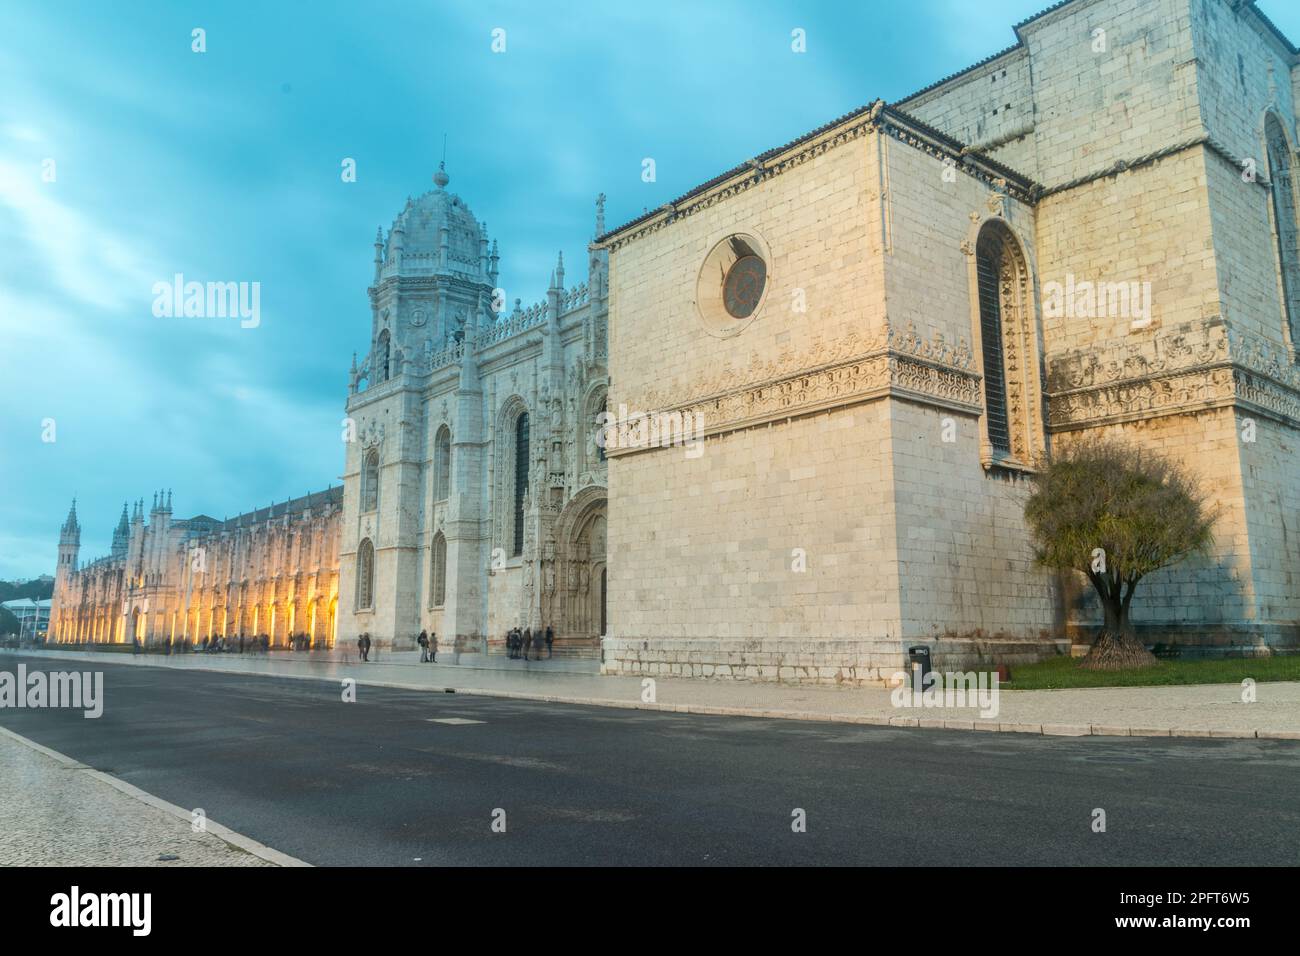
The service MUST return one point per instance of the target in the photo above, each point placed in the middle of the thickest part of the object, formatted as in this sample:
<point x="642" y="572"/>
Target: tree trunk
<point x="1116" y="647"/>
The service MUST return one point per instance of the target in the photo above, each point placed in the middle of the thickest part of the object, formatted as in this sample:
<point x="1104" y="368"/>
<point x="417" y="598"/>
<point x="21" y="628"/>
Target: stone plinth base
<point x="787" y="660"/>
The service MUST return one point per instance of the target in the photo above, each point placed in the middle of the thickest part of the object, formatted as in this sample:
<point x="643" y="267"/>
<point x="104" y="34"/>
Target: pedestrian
<point x="433" y="647"/>
<point x="365" y="648"/>
<point x="241" y="642"/>
<point x="550" y="639"/>
<point x="361" y="647"/>
<point x="423" y="641"/>
<point x="528" y="641"/>
<point x="510" y="643"/>
<point x="204" y="643"/>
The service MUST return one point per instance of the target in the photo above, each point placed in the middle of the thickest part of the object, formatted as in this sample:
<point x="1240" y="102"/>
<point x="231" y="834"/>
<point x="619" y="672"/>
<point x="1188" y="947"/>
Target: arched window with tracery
<point x="520" y="483"/>
<point x="1284" y="224"/>
<point x="438" y="584"/>
<point x="442" y="464"/>
<point x="370" y="481"/>
<point x="365" y="575"/>
<point x="1013" y="429"/>
<point x="382" y="354"/>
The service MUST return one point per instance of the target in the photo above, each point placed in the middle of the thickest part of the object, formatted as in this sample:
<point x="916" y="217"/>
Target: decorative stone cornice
<point x="852" y="369"/>
<point x="1191" y="367"/>
<point x="876" y="117"/>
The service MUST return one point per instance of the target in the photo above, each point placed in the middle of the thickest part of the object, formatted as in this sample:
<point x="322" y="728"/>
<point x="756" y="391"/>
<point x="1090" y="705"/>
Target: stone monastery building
<point x="877" y="331"/>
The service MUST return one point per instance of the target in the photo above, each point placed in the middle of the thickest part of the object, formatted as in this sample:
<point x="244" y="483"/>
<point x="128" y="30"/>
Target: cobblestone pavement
<point x="55" y="814"/>
<point x="1200" y="710"/>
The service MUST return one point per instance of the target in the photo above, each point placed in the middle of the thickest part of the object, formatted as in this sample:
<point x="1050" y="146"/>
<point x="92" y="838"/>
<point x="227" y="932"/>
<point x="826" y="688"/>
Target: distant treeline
<point x="37" y="589"/>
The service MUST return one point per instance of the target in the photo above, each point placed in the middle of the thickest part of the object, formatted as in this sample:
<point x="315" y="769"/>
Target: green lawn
<point x="1065" y="672"/>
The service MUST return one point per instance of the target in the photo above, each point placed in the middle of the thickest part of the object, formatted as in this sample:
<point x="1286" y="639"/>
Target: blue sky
<point x="225" y="166"/>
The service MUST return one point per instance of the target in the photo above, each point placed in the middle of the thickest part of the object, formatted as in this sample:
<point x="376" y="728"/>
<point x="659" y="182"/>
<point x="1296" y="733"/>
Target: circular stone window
<point x="732" y="283"/>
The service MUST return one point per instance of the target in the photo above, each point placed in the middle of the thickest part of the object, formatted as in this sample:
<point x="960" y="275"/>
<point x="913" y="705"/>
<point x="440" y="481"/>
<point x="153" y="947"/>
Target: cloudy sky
<point x="225" y="166"/>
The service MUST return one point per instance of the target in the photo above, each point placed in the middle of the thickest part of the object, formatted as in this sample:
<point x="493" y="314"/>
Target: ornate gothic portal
<point x="580" y="616"/>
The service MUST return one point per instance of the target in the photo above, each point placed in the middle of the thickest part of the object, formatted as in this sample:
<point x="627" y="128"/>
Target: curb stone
<point x="1067" y="730"/>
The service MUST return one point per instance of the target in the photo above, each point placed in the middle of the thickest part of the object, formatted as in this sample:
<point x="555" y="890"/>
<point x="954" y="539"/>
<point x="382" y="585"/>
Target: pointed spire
<point x="121" y="534"/>
<point x="70" y="523"/>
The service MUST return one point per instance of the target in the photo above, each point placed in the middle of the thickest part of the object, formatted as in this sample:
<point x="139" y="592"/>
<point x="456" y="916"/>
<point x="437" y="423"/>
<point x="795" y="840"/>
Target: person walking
<point x="528" y="641"/>
<point x="241" y="642"/>
<point x="550" y="639"/>
<point x="433" y="647"/>
<point x="365" y="650"/>
<point x="510" y="643"/>
<point x="423" y="641"/>
<point x="361" y="647"/>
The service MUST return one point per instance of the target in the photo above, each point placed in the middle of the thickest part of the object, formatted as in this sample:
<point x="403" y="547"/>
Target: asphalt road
<point x="377" y="782"/>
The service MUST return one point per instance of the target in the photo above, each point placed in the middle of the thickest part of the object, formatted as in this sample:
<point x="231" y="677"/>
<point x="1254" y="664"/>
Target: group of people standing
<point x="221" y="644"/>
<point x="519" y="643"/>
<point x="428" y="642"/>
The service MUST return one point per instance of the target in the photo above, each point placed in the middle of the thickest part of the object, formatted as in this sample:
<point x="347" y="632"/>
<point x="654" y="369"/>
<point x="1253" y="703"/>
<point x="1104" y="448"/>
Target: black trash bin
<point x="918" y="657"/>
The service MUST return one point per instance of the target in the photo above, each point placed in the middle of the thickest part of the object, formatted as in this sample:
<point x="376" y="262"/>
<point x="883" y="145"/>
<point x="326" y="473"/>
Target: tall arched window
<point x="1013" y="416"/>
<point x="521" y="482"/>
<point x="438" y="586"/>
<point x="1284" y="221"/>
<point x="442" y="464"/>
<point x="988" y="266"/>
<point x="370" y="481"/>
<point x="365" y="575"/>
<point x="382" y="352"/>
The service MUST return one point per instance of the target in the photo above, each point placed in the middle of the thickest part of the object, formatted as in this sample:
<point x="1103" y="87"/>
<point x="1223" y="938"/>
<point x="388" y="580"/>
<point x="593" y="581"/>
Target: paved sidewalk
<point x="1204" y="710"/>
<point x="56" y="812"/>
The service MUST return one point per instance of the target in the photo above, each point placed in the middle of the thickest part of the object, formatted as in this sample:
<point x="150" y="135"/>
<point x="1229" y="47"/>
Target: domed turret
<point x="436" y="234"/>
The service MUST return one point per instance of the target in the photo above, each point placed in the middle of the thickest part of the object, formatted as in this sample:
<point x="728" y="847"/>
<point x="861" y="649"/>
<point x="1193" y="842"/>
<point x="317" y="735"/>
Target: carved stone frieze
<point x="852" y="368"/>
<point x="1189" y="367"/>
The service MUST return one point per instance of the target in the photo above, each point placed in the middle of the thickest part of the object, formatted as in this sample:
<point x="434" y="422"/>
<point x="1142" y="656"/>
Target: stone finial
<point x="440" y="178"/>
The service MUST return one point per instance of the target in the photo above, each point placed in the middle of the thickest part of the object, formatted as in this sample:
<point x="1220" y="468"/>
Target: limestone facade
<point x="924" y="336"/>
<point x="474" y="485"/>
<point x="907" y="335"/>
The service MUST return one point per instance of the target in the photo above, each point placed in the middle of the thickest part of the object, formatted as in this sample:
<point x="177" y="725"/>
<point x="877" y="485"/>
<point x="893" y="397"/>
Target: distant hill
<point x="38" y="589"/>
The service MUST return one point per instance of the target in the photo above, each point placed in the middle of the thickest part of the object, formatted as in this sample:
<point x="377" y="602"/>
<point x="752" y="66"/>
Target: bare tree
<point x="1116" y="513"/>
